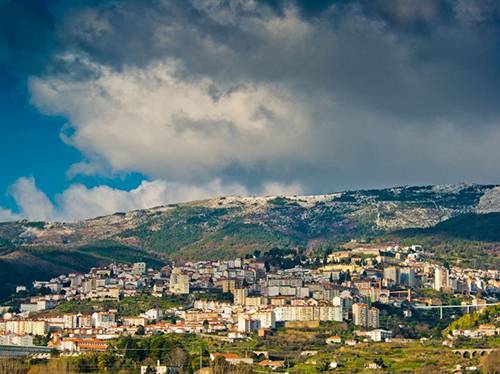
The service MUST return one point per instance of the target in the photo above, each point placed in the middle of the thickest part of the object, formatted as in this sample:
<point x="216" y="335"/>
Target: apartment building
<point x="27" y="326"/>
<point x="240" y="296"/>
<point x="360" y="314"/>
<point x="364" y="316"/>
<point x="179" y="283"/>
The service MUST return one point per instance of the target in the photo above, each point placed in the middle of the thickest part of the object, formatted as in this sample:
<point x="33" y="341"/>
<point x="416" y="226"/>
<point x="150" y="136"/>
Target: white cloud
<point x="152" y="121"/>
<point x="79" y="202"/>
<point x="33" y="204"/>
<point x="7" y="215"/>
<point x="280" y="189"/>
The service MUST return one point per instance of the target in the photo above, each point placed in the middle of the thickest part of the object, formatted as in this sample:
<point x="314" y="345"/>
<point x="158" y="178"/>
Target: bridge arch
<point x="262" y="354"/>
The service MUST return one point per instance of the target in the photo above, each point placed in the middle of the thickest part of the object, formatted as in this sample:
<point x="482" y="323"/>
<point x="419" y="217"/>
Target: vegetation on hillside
<point x="475" y="319"/>
<point x="471" y="240"/>
<point x="474" y="227"/>
<point x="22" y="265"/>
<point x="113" y="251"/>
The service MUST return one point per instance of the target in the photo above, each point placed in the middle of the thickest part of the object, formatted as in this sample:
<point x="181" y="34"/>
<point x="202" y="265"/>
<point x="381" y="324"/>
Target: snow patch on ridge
<point x="490" y="201"/>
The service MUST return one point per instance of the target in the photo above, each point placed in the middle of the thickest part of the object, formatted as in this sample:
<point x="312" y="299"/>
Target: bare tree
<point x="54" y="366"/>
<point x="178" y="357"/>
<point x="11" y="366"/>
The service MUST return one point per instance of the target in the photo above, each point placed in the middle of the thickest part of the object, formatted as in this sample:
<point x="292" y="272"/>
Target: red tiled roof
<point x="269" y="362"/>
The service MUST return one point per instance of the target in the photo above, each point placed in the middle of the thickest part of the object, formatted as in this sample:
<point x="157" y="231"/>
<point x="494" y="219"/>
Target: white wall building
<point x="103" y="319"/>
<point x="441" y="278"/>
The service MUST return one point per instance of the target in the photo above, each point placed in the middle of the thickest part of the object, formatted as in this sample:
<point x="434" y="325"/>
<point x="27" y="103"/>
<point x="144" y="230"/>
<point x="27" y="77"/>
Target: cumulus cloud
<point x="33" y="204"/>
<point x="7" y="215"/>
<point x="79" y="202"/>
<point x="151" y="120"/>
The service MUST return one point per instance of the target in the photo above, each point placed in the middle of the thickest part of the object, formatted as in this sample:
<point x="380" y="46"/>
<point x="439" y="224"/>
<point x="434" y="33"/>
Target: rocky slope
<point x="294" y="220"/>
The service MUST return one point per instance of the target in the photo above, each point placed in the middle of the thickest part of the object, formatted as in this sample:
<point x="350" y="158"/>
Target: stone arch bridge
<point x="473" y="352"/>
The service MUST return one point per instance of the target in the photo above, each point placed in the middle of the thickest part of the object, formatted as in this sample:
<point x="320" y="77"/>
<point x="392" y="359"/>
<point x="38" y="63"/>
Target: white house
<point x="232" y="358"/>
<point x="334" y="340"/>
<point x="379" y="335"/>
<point x="159" y="369"/>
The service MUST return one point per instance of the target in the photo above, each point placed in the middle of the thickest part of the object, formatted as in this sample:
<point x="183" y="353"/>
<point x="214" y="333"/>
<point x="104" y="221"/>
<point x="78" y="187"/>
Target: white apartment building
<point x="441" y="278"/>
<point x="365" y="316"/>
<point x="103" y="319"/>
<point x="258" y="302"/>
<point x="360" y="314"/>
<point x="379" y="335"/>
<point x="70" y="321"/>
<point x="267" y="319"/>
<point x="373" y="318"/>
<point x="139" y="268"/>
<point x="248" y="324"/>
<point x="13" y="339"/>
<point x="309" y="313"/>
<point x="27" y="326"/>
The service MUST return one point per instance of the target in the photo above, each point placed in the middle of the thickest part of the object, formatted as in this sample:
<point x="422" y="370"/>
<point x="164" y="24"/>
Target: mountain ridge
<point x="384" y="210"/>
<point x="231" y="226"/>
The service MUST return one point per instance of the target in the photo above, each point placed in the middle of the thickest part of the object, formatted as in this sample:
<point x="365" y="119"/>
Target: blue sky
<point x="31" y="146"/>
<point x="111" y="106"/>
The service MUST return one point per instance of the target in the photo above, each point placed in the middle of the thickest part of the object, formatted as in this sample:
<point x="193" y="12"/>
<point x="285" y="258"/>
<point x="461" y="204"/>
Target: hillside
<point x="471" y="239"/>
<point x="233" y="226"/>
<point x="480" y="227"/>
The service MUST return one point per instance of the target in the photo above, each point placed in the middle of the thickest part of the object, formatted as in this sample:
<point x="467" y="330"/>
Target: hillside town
<point x="238" y="299"/>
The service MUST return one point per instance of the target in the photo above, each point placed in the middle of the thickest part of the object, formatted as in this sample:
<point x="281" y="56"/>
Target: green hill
<point x="469" y="239"/>
<point x="226" y="227"/>
<point x="480" y="227"/>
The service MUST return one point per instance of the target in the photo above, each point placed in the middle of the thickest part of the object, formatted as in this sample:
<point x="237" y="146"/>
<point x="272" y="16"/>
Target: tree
<point x="322" y="367"/>
<point x="178" y="357"/>
<point x="219" y="365"/>
<point x="341" y="278"/>
<point x="105" y="361"/>
<point x="54" y="353"/>
<point x="491" y="362"/>
<point x="130" y="348"/>
<point x="380" y="362"/>
<point x="206" y="324"/>
<point x="327" y="253"/>
<point x="140" y="331"/>
<point x="10" y="366"/>
<point x="317" y="262"/>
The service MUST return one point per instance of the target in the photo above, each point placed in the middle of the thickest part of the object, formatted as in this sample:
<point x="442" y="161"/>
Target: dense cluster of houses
<point x="343" y="287"/>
